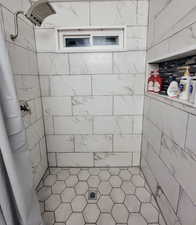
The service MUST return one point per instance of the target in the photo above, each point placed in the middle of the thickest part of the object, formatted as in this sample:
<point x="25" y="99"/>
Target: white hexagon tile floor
<point x="122" y="197"/>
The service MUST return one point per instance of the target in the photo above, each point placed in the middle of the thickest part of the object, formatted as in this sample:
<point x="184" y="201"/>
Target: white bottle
<point x="192" y="98"/>
<point x="185" y="83"/>
<point x="173" y="89"/>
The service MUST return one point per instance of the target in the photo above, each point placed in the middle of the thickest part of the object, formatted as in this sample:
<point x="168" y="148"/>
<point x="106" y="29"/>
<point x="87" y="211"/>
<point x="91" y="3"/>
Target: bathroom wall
<point x="93" y="101"/>
<point x="168" y="146"/>
<point x="23" y="58"/>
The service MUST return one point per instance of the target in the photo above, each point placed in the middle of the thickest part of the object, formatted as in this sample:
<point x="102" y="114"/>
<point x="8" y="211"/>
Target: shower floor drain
<point x="92" y="195"/>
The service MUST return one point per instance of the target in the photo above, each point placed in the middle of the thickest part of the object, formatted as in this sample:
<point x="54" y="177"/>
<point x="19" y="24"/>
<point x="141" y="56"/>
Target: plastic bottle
<point x="157" y="82"/>
<point x="173" y="89"/>
<point x="184" y="86"/>
<point x="150" y="86"/>
<point x="192" y="98"/>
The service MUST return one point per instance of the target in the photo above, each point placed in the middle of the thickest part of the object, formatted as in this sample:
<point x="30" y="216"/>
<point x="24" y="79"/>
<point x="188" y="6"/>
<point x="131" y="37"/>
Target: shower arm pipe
<point x="14" y="36"/>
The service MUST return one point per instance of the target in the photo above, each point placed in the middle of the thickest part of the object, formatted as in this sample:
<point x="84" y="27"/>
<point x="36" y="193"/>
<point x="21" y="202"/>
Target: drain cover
<point x="92" y="195"/>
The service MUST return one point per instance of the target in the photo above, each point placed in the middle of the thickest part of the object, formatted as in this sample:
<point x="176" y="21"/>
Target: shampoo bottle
<point x="192" y="98"/>
<point x="157" y="81"/>
<point x="173" y="89"/>
<point x="184" y="86"/>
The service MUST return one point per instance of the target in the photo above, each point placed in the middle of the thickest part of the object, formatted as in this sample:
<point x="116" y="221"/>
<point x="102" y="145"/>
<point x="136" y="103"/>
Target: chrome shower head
<point x="36" y="14"/>
<point x="39" y="11"/>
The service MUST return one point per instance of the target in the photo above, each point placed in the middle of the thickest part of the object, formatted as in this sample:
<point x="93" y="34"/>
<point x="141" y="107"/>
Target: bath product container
<point x="150" y="86"/>
<point x="173" y="89"/>
<point x="192" y="98"/>
<point x="158" y="81"/>
<point x="184" y="86"/>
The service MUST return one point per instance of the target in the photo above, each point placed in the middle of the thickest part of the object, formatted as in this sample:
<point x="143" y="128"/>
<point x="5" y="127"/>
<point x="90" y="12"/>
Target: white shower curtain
<point x="18" y="203"/>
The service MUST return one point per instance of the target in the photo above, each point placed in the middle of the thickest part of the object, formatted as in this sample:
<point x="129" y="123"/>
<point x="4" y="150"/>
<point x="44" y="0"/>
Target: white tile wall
<point x="93" y="143"/>
<point x="54" y="64"/>
<point x="90" y="63"/>
<point x="113" y="125"/>
<point x="73" y="125"/>
<point x="106" y="88"/>
<point x="75" y="159"/>
<point x="118" y="84"/>
<point x="92" y="105"/>
<point x="70" y="85"/>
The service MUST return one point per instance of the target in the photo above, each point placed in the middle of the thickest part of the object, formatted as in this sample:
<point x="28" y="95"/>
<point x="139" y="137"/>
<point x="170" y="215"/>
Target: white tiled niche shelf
<point x="181" y="59"/>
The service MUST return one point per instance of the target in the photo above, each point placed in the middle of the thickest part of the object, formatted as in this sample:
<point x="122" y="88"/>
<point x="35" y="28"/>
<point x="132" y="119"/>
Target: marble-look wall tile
<point x="113" y="125"/>
<point x="90" y="63"/>
<point x="57" y="106"/>
<point x="171" y="121"/>
<point x="127" y="143"/>
<point x="45" y="85"/>
<point x="46" y="39"/>
<point x="92" y="105"/>
<point x="164" y="178"/>
<point x="142" y="13"/>
<point x="190" y="139"/>
<point x="186" y="210"/>
<point x="93" y="143"/>
<point x="60" y="143"/>
<point x="152" y="134"/>
<point x="52" y="159"/>
<point x="180" y="164"/>
<point x="136" y="38"/>
<point x="113" y="159"/>
<point x="70" y="85"/>
<point x="129" y="62"/>
<point x="118" y="85"/>
<point x="73" y="125"/>
<point x="136" y="159"/>
<point x="48" y="124"/>
<point x="113" y="13"/>
<point x="128" y="105"/>
<point x="75" y="159"/>
<point x="167" y="211"/>
<point x="53" y="63"/>
<point x="137" y="124"/>
<point x="69" y="14"/>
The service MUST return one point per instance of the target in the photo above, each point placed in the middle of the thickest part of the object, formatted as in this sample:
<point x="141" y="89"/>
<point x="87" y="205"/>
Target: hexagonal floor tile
<point x="44" y="193"/>
<point x="78" y="204"/>
<point x="52" y="202"/>
<point x="105" y="188"/>
<point x="114" y="171"/>
<point x="81" y="188"/>
<point x="134" y="170"/>
<point x="105" y="204"/>
<point x="128" y="187"/>
<point x="94" y="171"/>
<point x="58" y="187"/>
<point x="132" y="203"/>
<point x="68" y="195"/>
<point x="115" y="181"/>
<point x="117" y="195"/>
<point x="74" y="171"/>
<point x="62" y="175"/>
<point x="120" y="213"/>
<point x="136" y="219"/>
<point x="91" y="213"/>
<point x="83" y="175"/>
<point x="71" y="181"/>
<point x="50" y="180"/>
<point x="93" y="181"/>
<point x="125" y="175"/>
<point x="104" y="175"/>
<point x="63" y="212"/>
<point x="105" y="219"/>
<point x="75" y="218"/>
<point x="138" y="181"/>
<point x="143" y="195"/>
<point x="48" y="218"/>
<point x="149" y="213"/>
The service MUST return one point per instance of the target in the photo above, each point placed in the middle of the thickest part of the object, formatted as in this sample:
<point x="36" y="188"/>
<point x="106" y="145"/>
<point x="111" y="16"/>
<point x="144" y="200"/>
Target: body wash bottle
<point x="185" y="83"/>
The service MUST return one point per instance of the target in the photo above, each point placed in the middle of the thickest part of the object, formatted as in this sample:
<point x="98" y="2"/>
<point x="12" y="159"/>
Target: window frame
<point x="119" y="31"/>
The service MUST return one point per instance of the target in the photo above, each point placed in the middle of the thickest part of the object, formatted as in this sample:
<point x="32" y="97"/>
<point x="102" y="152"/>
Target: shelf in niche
<point x="175" y="102"/>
